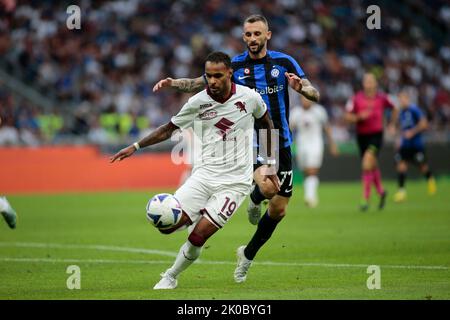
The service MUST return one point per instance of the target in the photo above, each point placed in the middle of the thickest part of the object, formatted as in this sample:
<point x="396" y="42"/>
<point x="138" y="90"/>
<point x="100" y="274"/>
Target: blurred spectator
<point x="124" y="47"/>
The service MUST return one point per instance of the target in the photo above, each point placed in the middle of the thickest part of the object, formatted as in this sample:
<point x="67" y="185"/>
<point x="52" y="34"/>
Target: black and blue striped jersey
<point x="266" y="76"/>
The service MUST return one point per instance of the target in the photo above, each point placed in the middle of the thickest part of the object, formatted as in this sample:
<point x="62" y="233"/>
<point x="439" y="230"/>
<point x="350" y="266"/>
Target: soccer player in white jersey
<point x="310" y="121"/>
<point x="222" y="117"/>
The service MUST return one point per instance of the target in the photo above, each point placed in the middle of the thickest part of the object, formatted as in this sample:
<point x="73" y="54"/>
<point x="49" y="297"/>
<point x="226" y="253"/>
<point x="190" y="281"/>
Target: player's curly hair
<point x="218" y="57"/>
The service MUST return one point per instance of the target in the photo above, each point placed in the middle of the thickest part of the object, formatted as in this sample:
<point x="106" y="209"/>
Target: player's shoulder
<point x="296" y="112"/>
<point x="415" y="108"/>
<point x="240" y="57"/>
<point x="243" y="90"/>
<point x="359" y="94"/>
<point x="279" y="55"/>
<point x="359" y="97"/>
<point x="384" y="96"/>
<point x="318" y="107"/>
<point x="199" y="98"/>
<point x="319" y="111"/>
<point x="381" y="94"/>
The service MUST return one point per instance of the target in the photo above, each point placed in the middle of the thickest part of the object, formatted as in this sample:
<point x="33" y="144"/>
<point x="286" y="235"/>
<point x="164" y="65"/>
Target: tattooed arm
<point x="303" y="86"/>
<point x="182" y="84"/>
<point x="309" y="92"/>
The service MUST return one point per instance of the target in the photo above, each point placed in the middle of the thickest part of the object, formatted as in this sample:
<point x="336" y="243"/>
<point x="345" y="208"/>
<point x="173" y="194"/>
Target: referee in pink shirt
<point x="366" y="110"/>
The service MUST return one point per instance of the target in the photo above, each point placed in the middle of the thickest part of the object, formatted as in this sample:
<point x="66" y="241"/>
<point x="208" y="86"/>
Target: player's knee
<point x="196" y="239"/>
<point x="401" y="167"/>
<point x="368" y="165"/>
<point x="311" y="172"/>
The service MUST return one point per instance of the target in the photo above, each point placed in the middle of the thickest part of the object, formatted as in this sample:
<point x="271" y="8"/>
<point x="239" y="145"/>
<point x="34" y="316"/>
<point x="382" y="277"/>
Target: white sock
<point x="186" y="256"/>
<point x="311" y="184"/>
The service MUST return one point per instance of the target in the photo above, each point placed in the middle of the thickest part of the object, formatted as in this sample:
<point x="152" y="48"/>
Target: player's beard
<point x="258" y="49"/>
<point x="218" y="93"/>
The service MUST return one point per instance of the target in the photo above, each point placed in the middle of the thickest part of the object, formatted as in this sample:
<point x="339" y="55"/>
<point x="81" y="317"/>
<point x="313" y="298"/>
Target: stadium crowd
<point x="100" y="77"/>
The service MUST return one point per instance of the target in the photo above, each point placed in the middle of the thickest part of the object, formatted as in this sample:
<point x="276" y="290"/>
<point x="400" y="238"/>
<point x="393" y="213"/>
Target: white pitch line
<point x="89" y="247"/>
<point x="267" y="263"/>
<point x="50" y="260"/>
<point x="172" y="254"/>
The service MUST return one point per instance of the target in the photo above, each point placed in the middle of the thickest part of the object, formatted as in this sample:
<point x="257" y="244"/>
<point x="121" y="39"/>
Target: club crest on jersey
<point x="241" y="106"/>
<point x="275" y="73"/>
<point x="208" y="114"/>
<point x="246" y="71"/>
<point x="224" y="126"/>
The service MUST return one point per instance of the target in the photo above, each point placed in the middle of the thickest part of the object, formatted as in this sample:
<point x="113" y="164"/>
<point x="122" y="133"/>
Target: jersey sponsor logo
<point x="243" y="77"/>
<point x="270" y="90"/>
<point x="208" y="115"/>
<point x="206" y="105"/>
<point x="224" y="126"/>
<point x="275" y="73"/>
<point x="241" y="106"/>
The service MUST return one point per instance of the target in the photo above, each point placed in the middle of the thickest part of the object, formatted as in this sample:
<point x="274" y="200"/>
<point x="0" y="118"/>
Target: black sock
<point x="256" y="196"/>
<point x="428" y="175"/>
<point x="401" y="177"/>
<point x="266" y="226"/>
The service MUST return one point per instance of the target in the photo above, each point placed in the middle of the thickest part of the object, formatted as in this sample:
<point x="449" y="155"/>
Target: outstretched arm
<point x="303" y="86"/>
<point x="182" y="84"/>
<point x="162" y="133"/>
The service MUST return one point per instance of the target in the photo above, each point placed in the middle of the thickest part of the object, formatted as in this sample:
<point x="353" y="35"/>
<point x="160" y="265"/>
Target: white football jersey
<point x="223" y="134"/>
<point x="309" y="124"/>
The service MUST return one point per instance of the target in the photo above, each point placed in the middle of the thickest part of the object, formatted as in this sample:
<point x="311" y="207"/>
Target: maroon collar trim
<point x="232" y="91"/>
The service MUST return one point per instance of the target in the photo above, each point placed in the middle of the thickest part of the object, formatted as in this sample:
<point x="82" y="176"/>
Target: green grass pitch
<point x="314" y="254"/>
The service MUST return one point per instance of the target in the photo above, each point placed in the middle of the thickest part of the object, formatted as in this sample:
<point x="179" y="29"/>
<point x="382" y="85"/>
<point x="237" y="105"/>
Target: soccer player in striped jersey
<point x="366" y="110"/>
<point x="270" y="73"/>
<point x="412" y="150"/>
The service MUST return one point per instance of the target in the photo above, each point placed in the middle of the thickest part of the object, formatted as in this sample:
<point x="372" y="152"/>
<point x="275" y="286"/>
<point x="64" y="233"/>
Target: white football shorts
<point x="310" y="156"/>
<point x="216" y="202"/>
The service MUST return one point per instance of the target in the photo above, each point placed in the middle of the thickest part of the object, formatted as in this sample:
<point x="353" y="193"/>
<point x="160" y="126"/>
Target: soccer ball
<point x="163" y="211"/>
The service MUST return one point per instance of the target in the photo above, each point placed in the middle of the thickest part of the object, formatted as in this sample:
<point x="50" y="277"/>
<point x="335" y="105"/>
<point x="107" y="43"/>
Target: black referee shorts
<point x="372" y="141"/>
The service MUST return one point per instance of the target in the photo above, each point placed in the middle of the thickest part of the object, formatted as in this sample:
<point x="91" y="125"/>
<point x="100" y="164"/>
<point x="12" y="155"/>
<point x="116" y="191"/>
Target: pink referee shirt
<point x="376" y="106"/>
